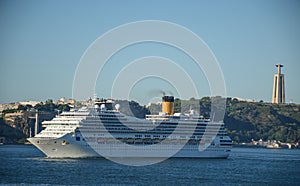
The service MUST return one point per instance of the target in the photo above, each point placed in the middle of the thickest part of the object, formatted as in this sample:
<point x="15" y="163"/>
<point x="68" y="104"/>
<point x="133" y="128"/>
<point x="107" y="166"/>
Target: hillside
<point x="10" y="134"/>
<point x="244" y="121"/>
<point x="255" y="120"/>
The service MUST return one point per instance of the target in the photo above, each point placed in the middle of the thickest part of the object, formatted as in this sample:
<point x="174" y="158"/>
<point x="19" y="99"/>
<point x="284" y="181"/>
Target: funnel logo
<point x="118" y="145"/>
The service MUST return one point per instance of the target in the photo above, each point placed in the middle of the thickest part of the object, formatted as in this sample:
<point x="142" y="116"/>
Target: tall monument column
<point x="278" y="86"/>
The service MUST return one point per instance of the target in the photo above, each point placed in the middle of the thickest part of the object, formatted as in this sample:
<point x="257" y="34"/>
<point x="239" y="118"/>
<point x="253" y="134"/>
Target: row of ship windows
<point x="166" y="126"/>
<point x="54" y="133"/>
<point x="123" y="127"/>
<point x="149" y="136"/>
<point x="58" y="126"/>
<point x="159" y="132"/>
<point x="106" y="116"/>
<point x="63" y="142"/>
<point x="189" y="147"/>
<point x="61" y="124"/>
<point x="171" y="124"/>
<point x="112" y="118"/>
<point x="164" y="136"/>
<point x="112" y="115"/>
<point x="226" y="141"/>
<point x="59" y="129"/>
<point x="156" y="130"/>
<point x="225" y="144"/>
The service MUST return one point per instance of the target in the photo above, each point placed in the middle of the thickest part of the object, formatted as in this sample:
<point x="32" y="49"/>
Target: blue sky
<point x="41" y="43"/>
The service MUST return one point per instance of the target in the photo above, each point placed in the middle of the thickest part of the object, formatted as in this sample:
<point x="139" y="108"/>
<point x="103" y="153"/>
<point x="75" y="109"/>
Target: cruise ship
<point x="103" y="131"/>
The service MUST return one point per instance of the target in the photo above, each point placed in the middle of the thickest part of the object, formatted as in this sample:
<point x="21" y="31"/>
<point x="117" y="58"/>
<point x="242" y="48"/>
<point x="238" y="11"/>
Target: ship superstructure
<point x="102" y="131"/>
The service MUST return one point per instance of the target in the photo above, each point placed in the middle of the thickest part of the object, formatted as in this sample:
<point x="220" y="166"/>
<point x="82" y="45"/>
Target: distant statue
<point x="278" y="86"/>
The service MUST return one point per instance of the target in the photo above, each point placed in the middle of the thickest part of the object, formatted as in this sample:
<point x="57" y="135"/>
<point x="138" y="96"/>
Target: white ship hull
<point x="56" y="148"/>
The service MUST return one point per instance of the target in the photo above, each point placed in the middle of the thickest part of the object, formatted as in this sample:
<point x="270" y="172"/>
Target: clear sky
<point x="41" y="43"/>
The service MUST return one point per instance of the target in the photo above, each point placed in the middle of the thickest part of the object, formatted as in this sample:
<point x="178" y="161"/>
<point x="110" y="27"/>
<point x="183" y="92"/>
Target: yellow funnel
<point x="168" y="105"/>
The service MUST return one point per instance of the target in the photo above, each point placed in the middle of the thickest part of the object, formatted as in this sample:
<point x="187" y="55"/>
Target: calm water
<point x="25" y="165"/>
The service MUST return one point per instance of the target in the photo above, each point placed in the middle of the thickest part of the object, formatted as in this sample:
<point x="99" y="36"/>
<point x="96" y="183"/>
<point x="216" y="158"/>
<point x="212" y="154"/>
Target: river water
<point x="25" y="165"/>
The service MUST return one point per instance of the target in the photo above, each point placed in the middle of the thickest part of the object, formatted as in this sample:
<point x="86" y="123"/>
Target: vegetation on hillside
<point x="132" y="108"/>
<point x="17" y="128"/>
<point x="256" y="120"/>
<point x="244" y="121"/>
<point x="49" y="106"/>
<point x="11" y="135"/>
